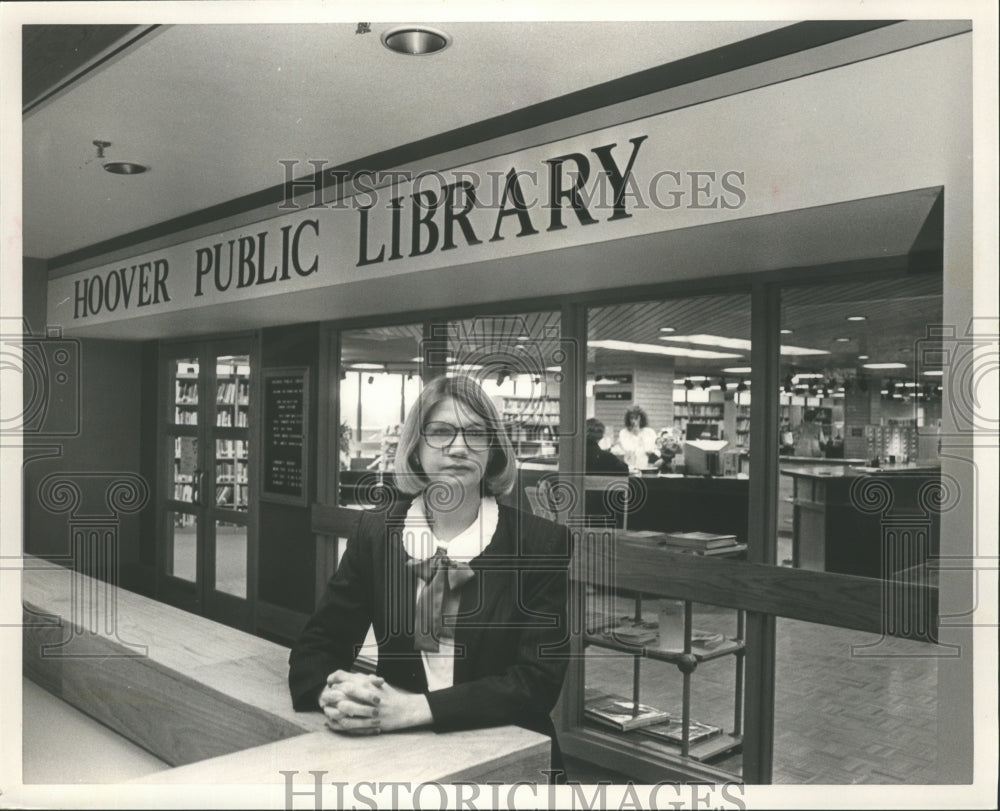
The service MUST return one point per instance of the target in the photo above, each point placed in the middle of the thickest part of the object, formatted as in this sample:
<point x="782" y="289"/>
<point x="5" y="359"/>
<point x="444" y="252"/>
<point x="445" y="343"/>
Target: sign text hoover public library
<point x="579" y="190"/>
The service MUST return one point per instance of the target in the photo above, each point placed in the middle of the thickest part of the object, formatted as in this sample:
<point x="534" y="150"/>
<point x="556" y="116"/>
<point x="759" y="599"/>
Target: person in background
<point x="637" y="440"/>
<point x="599" y="460"/>
<point x="809" y="438"/>
<point x="467" y="596"/>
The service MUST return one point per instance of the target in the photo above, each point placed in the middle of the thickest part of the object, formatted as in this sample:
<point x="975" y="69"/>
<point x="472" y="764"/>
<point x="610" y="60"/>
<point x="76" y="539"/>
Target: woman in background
<point x="468" y="597"/>
<point x="637" y="440"/>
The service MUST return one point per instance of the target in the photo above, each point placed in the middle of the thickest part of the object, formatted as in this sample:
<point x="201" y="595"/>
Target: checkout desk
<point x="213" y="702"/>
<point x="872" y="522"/>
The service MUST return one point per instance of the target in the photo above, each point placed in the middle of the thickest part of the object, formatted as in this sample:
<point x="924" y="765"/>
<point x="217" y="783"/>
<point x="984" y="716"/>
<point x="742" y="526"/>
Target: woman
<point x="637" y="440"/>
<point x="467" y="596"/>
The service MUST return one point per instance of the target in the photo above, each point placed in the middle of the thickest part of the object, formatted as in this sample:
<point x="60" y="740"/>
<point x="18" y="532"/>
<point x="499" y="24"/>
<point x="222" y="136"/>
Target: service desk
<point x="214" y="701"/>
<point x="872" y="522"/>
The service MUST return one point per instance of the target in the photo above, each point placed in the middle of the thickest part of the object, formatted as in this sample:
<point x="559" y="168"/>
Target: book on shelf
<point x="623" y="714"/>
<point x="698" y="540"/>
<point x="673" y="731"/>
<point x="706" y="639"/>
<point x="645" y="536"/>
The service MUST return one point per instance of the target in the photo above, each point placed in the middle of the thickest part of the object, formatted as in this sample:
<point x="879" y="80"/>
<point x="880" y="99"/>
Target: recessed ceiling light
<point x="653" y="349"/>
<point x="415" y="40"/>
<point x="125" y="168"/>
<point x="857" y="317"/>
<point x="787" y="331"/>
<point x="737" y="343"/>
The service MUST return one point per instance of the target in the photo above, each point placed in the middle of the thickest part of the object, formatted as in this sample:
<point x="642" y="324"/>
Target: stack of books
<point x="623" y="714"/>
<point x="701" y="543"/>
<point x="673" y="732"/>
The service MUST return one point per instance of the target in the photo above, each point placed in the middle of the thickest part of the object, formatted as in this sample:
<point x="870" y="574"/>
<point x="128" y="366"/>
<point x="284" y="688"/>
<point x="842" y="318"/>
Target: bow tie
<point x="443" y="578"/>
<point x="458" y="573"/>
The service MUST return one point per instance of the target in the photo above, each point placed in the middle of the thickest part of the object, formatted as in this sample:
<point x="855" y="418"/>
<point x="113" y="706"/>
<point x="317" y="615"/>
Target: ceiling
<point x="283" y="92"/>
<point x="213" y="109"/>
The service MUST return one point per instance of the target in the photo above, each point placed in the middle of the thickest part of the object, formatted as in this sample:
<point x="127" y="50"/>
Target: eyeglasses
<point x="442" y="434"/>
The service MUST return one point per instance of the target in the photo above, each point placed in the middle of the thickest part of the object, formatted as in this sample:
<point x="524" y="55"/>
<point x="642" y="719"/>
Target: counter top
<point x="214" y="700"/>
<point x="825" y="472"/>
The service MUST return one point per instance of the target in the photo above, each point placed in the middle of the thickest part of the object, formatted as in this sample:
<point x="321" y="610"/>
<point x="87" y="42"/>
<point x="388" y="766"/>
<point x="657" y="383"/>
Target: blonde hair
<point x="501" y="468"/>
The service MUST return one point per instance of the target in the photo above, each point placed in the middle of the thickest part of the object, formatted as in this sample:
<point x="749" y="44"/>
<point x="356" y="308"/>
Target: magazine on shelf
<point x="623" y="714"/>
<point x="673" y="732"/>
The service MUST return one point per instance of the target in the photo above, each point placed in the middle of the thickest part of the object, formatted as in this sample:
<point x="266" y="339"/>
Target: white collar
<point x="420" y="542"/>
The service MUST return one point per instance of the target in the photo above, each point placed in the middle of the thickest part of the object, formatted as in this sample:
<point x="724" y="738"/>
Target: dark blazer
<point x="599" y="460"/>
<point x="511" y="633"/>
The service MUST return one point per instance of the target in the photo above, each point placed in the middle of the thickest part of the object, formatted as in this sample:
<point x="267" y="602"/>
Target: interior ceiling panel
<point x="212" y="109"/>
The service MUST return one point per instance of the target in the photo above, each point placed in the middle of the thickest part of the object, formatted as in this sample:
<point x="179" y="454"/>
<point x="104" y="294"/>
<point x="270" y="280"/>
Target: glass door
<point x="205" y="558"/>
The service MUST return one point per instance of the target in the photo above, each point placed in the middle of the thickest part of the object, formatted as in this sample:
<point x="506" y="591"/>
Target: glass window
<point x="860" y="405"/>
<point x="666" y="471"/>
<point x="380" y="378"/>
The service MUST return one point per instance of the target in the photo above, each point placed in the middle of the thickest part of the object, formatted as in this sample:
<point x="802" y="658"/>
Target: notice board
<point x="286" y="435"/>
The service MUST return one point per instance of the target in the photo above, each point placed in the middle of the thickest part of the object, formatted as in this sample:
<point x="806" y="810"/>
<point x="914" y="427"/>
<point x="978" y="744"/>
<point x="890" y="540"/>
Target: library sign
<point x="601" y="186"/>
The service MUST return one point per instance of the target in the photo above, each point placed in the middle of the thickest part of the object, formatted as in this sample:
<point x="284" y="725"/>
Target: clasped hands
<point x="363" y="704"/>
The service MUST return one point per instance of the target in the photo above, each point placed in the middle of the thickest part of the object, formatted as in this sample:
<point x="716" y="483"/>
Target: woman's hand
<point x="361" y="704"/>
<point x="350" y="702"/>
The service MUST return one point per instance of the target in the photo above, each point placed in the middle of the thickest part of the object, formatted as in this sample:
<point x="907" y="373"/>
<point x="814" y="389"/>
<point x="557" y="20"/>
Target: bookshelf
<point x="681" y="650"/>
<point x="231" y="457"/>
<point x="532" y="423"/>
<point x="710" y="414"/>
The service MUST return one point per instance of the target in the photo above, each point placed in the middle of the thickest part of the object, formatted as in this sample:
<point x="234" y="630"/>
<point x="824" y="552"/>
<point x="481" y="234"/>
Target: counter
<point x="214" y="701"/>
<point x="873" y="522"/>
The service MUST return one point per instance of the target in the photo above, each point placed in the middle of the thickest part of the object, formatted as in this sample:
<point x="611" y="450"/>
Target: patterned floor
<point x="849" y="707"/>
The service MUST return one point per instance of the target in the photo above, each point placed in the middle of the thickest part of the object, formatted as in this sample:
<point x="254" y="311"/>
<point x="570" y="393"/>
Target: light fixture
<point x="737" y="370"/>
<point x="786" y="331"/>
<point x="118" y="167"/>
<point x="884" y="365"/>
<point x="688" y="384"/>
<point x="736" y="343"/>
<point x="704" y="384"/>
<point x="857" y="318"/>
<point x="722" y="383"/>
<point x="741" y="386"/>
<point x="125" y="168"/>
<point x="862" y="357"/>
<point x="667" y="329"/>
<point x="934" y="373"/>
<point x="415" y="40"/>
<point x="377" y="366"/>
<point x="843" y="340"/>
<point x="653" y="349"/>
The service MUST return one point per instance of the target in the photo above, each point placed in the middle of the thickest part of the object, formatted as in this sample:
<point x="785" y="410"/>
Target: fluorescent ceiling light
<point x="884" y="365"/>
<point x="934" y="373"/>
<point x="737" y="343"/>
<point x="787" y="331"/>
<point x="857" y="317"/>
<point x="653" y="349"/>
<point x="378" y="366"/>
<point x="737" y="370"/>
